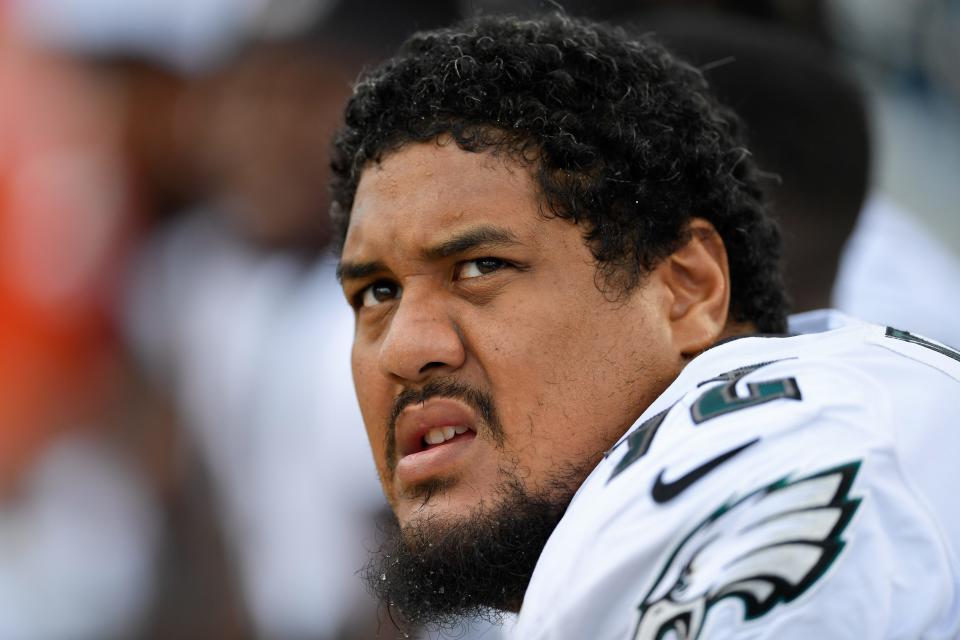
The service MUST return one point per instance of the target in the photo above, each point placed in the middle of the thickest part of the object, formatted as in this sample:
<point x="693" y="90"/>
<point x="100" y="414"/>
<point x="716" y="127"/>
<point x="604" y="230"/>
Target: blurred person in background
<point x="78" y="527"/>
<point x="135" y="66"/>
<point x="231" y="315"/>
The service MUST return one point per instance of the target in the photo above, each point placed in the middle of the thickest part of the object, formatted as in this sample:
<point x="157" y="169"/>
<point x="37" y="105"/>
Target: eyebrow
<point x="481" y="236"/>
<point x="358" y="270"/>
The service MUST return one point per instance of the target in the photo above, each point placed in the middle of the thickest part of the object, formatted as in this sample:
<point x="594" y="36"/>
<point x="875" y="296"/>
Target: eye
<point x="379" y="291"/>
<point x="479" y="267"/>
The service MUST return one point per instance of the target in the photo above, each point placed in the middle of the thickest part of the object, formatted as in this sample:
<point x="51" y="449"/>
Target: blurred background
<point x="180" y="451"/>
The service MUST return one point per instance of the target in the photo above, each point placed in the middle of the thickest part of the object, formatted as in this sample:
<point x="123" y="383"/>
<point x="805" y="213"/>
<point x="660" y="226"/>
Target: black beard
<point x="438" y="571"/>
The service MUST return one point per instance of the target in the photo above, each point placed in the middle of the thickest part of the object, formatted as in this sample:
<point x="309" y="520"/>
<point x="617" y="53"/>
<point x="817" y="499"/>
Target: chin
<point x="448" y="500"/>
<point x="464" y="551"/>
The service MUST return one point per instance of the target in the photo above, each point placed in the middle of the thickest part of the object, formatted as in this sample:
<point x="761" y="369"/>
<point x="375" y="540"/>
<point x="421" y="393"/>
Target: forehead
<point x="425" y="191"/>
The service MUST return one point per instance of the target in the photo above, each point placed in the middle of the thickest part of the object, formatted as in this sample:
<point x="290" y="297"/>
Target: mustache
<point x="477" y="399"/>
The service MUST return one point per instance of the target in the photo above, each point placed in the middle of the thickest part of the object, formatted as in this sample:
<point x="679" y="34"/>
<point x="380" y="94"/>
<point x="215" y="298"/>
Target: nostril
<point x="431" y="365"/>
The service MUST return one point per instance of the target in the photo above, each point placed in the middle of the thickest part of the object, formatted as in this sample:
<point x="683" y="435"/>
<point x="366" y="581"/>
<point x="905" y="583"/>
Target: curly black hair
<point x="622" y="137"/>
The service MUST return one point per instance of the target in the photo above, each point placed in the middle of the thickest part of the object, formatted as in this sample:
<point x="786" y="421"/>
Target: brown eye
<point x="380" y="291"/>
<point x="479" y="267"/>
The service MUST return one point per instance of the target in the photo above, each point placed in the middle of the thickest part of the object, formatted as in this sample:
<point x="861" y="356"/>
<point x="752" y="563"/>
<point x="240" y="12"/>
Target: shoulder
<point x="768" y="482"/>
<point x="857" y="382"/>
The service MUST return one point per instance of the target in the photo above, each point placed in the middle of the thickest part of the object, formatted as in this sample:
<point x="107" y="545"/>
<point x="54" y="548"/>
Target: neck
<point x="736" y="329"/>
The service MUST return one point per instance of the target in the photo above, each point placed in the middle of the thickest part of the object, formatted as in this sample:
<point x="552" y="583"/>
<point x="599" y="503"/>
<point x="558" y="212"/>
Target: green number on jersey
<point x="638" y="442"/>
<point x="723" y="399"/>
<point x="714" y="402"/>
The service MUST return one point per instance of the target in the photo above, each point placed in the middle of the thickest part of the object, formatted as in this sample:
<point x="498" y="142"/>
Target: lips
<point x="432" y="437"/>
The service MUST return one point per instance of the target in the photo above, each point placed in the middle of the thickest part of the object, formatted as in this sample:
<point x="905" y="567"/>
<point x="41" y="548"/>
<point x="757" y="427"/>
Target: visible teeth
<point x="438" y="435"/>
<point x="434" y="436"/>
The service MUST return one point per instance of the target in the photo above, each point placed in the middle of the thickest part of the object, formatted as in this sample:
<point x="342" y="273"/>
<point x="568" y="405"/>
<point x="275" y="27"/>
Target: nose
<point x="422" y="339"/>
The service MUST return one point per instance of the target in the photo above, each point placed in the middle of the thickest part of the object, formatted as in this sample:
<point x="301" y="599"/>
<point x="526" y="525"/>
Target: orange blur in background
<point x="61" y="235"/>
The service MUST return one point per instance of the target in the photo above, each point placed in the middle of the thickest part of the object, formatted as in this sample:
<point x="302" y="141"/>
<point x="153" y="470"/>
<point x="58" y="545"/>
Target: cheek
<point x="534" y="359"/>
<point x="375" y="399"/>
<point x="556" y="347"/>
<point x="572" y="377"/>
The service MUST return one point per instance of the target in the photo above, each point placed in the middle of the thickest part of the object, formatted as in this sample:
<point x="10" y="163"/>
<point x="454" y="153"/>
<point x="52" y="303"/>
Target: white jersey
<point x="798" y="487"/>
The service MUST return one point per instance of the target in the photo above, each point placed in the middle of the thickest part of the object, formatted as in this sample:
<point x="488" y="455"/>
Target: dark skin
<point x="456" y="275"/>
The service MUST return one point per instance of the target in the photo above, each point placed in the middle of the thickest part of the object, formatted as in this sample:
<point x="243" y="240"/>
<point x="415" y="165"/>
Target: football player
<point x="574" y="367"/>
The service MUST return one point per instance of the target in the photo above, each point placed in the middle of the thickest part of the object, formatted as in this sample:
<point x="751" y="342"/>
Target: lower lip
<point x="435" y="461"/>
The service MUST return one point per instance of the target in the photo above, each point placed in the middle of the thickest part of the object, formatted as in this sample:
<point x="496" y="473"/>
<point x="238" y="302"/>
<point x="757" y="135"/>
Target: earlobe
<point x="698" y="277"/>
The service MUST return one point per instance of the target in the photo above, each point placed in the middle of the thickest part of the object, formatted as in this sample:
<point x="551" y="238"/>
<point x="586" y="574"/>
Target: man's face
<point x="485" y="350"/>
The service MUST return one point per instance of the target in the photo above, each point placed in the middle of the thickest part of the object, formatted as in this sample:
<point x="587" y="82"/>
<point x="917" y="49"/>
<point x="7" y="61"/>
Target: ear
<point x="698" y="278"/>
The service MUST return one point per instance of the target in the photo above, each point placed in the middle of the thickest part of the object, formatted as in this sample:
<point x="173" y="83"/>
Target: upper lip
<point x="417" y="419"/>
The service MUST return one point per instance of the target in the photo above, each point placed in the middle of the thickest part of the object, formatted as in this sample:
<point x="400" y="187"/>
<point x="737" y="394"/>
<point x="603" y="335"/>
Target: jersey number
<point x="716" y="401"/>
<point x="723" y="399"/>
